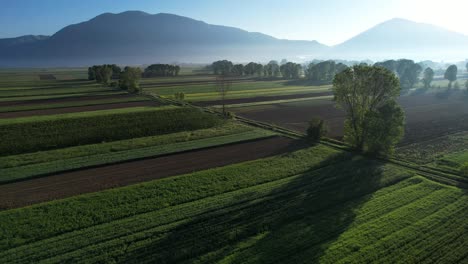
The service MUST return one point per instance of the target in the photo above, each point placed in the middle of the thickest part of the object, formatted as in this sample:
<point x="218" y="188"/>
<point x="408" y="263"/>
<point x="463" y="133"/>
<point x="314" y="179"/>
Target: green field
<point x="244" y="89"/>
<point x="29" y="134"/>
<point x="291" y="208"/>
<point x="30" y="165"/>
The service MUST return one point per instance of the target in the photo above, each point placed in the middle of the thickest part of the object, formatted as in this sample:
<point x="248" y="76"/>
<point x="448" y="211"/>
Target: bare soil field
<point x="426" y="116"/>
<point x="74" y="109"/>
<point x="263" y="98"/>
<point x="80" y="98"/>
<point x="47" y="77"/>
<point x="68" y="184"/>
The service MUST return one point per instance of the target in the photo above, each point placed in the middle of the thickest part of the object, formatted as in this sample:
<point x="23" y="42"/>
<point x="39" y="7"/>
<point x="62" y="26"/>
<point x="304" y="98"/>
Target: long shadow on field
<point x="290" y="223"/>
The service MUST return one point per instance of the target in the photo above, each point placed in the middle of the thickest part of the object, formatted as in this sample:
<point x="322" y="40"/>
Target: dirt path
<point x="96" y="179"/>
<point x="75" y="109"/>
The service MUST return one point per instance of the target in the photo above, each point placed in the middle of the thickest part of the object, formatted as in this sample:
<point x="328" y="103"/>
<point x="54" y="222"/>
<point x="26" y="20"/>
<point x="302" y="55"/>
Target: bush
<point x="179" y="96"/>
<point x="464" y="169"/>
<point x="316" y="130"/>
<point x="80" y="129"/>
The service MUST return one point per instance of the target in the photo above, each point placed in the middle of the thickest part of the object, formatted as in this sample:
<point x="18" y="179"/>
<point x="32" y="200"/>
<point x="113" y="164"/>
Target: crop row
<point x="246" y="210"/>
<point x="28" y="171"/>
<point x="25" y="225"/>
<point x="49" y="132"/>
<point x="226" y="128"/>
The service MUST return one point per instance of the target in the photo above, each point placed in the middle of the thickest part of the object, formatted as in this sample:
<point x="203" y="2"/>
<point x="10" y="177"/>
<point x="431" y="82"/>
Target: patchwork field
<point x="90" y="174"/>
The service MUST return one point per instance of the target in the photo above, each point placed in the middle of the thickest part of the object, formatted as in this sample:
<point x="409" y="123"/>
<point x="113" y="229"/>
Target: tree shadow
<point x="292" y="222"/>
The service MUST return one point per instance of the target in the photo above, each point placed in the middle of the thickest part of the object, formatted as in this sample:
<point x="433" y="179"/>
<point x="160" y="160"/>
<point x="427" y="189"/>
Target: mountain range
<point x="135" y="37"/>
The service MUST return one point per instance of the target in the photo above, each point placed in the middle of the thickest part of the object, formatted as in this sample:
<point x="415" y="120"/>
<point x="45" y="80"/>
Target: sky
<point x="330" y="22"/>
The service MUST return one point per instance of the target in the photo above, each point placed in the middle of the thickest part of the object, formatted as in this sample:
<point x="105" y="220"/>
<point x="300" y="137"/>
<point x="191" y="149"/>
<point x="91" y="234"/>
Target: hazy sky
<point x="328" y="21"/>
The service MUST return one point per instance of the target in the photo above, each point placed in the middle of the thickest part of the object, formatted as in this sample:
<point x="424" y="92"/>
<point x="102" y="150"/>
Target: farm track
<point x="96" y="179"/>
<point x="80" y="98"/>
<point x="263" y="99"/>
<point x="75" y="109"/>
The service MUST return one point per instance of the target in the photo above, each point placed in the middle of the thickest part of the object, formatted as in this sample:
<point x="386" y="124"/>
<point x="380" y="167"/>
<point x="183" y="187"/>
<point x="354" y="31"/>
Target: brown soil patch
<point x="75" y="109"/>
<point x="47" y="77"/>
<point x="65" y="99"/>
<point x="96" y="179"/>
<point x="426" y="116"/>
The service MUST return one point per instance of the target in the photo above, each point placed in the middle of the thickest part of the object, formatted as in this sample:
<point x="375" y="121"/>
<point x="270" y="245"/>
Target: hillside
<point x="397" y="38"/>
<point x="138" y="37"/>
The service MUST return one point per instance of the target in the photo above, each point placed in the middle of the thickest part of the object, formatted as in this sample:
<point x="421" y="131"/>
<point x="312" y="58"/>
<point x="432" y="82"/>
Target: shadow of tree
<point x="291" y="223"/>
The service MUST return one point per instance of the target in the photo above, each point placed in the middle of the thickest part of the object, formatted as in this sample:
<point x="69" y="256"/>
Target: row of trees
<point x="407" y="71"/>
<point x="287" y="70"/>
<point x="161" y="70"/>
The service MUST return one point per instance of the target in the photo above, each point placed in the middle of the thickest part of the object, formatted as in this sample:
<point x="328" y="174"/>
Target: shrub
<point x="84" y="128"/>
<point x="317" y="129"/>
<point x="464" y="169"/>
<point x="179" y="96"/>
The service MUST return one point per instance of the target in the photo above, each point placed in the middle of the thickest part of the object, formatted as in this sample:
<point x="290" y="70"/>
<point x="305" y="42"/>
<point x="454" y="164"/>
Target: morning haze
<point x="233" y="132"/>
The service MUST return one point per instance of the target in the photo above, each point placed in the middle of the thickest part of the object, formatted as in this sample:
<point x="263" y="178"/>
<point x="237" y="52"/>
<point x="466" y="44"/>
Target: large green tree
<point x="451" y="74"/>
<point x="130" y="79"/>
<point x="428" y="77"/>
<point x="374" y="120"/>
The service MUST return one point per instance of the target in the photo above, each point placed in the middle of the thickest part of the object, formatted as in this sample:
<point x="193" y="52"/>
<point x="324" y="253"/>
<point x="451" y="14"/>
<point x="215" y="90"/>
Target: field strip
<point x="41" y="106"/>
<point x="41" y="97"/>
<point x="63" y="185"/>
<point x="249" y="197"/>
<point x="277" y="101"/>
<point x="9" y="175"/>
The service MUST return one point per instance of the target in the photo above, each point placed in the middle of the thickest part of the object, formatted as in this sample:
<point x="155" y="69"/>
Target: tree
<point x="106" y="73"/>
<point x="272" y="69"/>
<point x="290" y="70"/>
<point x="161" y="70"/>
<point x="91" y="74"/>
<point x="428" y="77"/>
<point x="324" y="71"/>
<point x="451" y="74"/>
<point x="223" y="67"/>
<point x="130" y="79"/>
<point x="368" y="95"/>
<point x="223" y="85"/>
<point x="238" y="69"/>
<point x="466" y="67"/>
<point x="406" y="70"/>
<point x="316" y="130"/>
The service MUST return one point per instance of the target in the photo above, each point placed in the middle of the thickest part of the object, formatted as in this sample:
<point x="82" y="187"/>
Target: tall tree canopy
<point x="130" y="79"/>
<point x="161" y="70"/>
<point x="406" y="70"/>
<point x="290" y="70"/>
<point x="272" y="68"/>
<point x="428" y="77"/>
<point x="222" y="67"/>
<point x="451" y="74"/>
<point x="324" y="71"/>
<point x="374" y="120"/>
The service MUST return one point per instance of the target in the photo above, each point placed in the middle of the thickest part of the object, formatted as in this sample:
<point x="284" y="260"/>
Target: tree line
<point x="129" y="78"/>
<point x="287" y="70"/>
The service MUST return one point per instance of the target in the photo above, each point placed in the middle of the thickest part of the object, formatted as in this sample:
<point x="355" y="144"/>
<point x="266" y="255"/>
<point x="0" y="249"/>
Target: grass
<point x="244" y="89"/>
<point x="52" y="91"/>
<point x="313" y="205"/>
<point x="30" y="165"/>
<point x="276" y="102"/>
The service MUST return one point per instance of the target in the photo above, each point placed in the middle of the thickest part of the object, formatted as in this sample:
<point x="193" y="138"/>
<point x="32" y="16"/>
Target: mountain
<point x="398" y="38"/>
<point x="135" y="37"/>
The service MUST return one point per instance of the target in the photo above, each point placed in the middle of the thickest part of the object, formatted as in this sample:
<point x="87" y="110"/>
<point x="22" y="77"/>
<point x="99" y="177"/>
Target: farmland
<point x="93" y="174"/>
